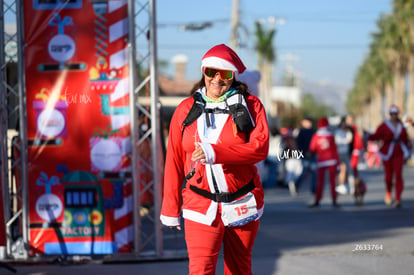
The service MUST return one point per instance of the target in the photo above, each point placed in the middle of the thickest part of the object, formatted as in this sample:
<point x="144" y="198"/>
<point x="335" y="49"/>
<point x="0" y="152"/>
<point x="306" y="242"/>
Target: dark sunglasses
<point x="224" y="74"/>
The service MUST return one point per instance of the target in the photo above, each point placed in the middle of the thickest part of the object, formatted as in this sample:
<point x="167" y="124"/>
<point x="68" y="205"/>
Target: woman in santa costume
<point x="395" y="147"/>
<point x="327" y="159"/>
<point x="216" y="137"/>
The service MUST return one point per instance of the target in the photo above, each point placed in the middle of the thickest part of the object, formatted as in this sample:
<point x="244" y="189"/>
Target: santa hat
<point x="394" y="109"/>
<point x="323" y="122"/>
<point x="223" y="57"/>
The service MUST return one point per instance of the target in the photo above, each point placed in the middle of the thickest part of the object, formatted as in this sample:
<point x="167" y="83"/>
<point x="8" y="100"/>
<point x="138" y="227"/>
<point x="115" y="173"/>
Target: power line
<point x="322" y="46"/>
<point x="333" y="20"/>
<point x="198" y="22"/>
<point x="279" y="47"/>
<point x="289" y="19"/>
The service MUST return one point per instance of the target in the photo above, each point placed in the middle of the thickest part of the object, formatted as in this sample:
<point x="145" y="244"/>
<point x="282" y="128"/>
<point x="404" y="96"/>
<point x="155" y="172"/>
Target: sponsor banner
<point x="78" y="124"/>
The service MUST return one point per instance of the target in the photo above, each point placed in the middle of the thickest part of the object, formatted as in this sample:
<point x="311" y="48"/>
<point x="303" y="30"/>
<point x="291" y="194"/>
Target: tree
<point x="403" y="12"/>
<point x="312" y="108"/>
<point x="381" y="80"/>
<point x="266" y="57"/>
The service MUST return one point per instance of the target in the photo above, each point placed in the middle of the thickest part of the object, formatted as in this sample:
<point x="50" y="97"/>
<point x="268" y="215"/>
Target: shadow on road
<point x="289" y="227"/>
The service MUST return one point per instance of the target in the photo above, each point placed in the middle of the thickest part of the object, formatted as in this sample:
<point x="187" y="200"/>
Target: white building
<point x="286" y="94"/>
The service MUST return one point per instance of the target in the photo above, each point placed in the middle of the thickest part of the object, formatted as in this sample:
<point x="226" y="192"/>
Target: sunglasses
<point x="224" y="74"/>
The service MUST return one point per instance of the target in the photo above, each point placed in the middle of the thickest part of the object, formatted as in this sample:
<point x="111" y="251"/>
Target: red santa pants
<point x="204" y="242"/>
<point x="394" y="166"/>
<point x="321" y="181"/>
<point x="354" y="163"/>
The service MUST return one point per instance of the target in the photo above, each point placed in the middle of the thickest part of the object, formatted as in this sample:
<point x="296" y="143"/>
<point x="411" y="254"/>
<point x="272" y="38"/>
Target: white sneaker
<point x="341" y="189"/>
<point x="292" y="189"/>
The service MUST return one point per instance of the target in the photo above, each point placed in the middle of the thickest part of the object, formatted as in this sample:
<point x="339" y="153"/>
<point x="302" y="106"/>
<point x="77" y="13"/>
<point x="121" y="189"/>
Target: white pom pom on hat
<point x="223" y="57"/>
<point x="393" y="109"/>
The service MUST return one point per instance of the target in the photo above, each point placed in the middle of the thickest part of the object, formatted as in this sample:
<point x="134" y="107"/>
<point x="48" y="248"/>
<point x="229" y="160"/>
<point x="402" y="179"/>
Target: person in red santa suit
<point x="216" y="137"/>
<point x="327" y="159"/>
<point x="395" y="147"/>
<point x="356" y="151"/>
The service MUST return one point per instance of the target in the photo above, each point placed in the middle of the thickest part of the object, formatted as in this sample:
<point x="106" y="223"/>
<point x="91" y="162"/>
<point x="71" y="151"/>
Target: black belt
<point x="224" y="196"/>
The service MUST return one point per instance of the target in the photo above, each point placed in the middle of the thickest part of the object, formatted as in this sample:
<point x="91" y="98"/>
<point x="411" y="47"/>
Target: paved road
<point x="295" y="240"/>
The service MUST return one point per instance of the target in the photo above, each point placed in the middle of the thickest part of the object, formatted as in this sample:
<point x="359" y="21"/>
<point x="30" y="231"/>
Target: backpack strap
<point x="238" y="111"/>
<point x="195" y="111"/>
<point x="241" y="116"/>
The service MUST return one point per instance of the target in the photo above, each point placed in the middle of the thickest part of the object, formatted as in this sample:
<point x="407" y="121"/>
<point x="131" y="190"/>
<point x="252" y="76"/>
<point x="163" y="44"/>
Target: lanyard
<point x="214" y="181"/>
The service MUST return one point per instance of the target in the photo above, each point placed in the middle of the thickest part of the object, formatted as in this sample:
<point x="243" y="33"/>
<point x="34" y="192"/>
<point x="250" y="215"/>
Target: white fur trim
<point x="170" y="221"/>
<point x="218" y="63"/>
<point x="394" y="110"/>
<point x="209" y="168"/>
<point x="260" y="212"/>
<point x="396" y="132"/>
<point x="209" y="152"/>
<point x="211" y="134"/>
<point x="327" y="163"/>
<point x="220" y="177"/>
<point x="207" y="219"/>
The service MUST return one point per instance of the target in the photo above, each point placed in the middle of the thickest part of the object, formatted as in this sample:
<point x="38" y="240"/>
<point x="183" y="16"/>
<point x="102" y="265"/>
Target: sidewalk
<point x="296" y="240"/>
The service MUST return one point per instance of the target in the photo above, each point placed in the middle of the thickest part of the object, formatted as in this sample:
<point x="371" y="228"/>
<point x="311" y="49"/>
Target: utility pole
<point x="234" y="37"/>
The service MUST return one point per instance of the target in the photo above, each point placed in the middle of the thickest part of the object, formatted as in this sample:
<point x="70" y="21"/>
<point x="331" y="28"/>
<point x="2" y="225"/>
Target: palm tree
<point x="266" y="57"/>
<point x="381" y="70"/>
<point x="373" y="78"/>
<point x="396" y="44"/>
<point x="403" y="10"/>
<point x="383" y="73"/>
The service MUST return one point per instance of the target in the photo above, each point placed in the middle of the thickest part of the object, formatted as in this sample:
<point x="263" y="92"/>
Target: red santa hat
<point x="323" y="122"/>
<point x="223" y="57"/>
<point x="394" y="109"/>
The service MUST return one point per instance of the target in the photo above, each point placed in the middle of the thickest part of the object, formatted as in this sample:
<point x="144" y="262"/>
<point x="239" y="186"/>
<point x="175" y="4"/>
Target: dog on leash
<point x="360" y="188"/>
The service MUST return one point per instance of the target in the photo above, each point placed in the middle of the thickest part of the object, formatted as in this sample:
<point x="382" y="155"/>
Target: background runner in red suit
<point x="220" y="149"/>
<point x="327" y="159"/>
<point x="395" y="147"/>
<point x="357" y="149"/>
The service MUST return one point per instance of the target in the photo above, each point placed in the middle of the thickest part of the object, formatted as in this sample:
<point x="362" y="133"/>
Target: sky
<point x="326" y="40"/>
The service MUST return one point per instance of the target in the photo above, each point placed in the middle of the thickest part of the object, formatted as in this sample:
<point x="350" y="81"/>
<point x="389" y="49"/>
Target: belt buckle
<point x="222" y="197"/>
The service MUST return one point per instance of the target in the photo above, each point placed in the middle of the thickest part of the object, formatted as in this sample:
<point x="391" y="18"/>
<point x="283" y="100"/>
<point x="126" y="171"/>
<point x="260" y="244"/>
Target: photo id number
<point x="368" y="247"/>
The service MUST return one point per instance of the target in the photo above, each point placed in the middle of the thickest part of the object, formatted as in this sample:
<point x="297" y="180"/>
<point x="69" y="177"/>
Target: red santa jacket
<point x="228" y="155"/>
<point x="357" y="148"/>
<point x="323" y="144"/>
<point x="394" y="140"/>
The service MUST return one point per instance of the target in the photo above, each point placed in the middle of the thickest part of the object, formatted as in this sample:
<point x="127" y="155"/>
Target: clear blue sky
<point x="330" y="38"/>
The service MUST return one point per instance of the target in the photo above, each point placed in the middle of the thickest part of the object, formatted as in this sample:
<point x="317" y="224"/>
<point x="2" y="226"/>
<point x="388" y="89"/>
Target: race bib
<point x="240" y="211"/>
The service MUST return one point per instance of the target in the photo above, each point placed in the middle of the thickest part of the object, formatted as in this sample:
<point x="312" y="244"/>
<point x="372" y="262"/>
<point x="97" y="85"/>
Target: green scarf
<point x="227" y="94"/>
